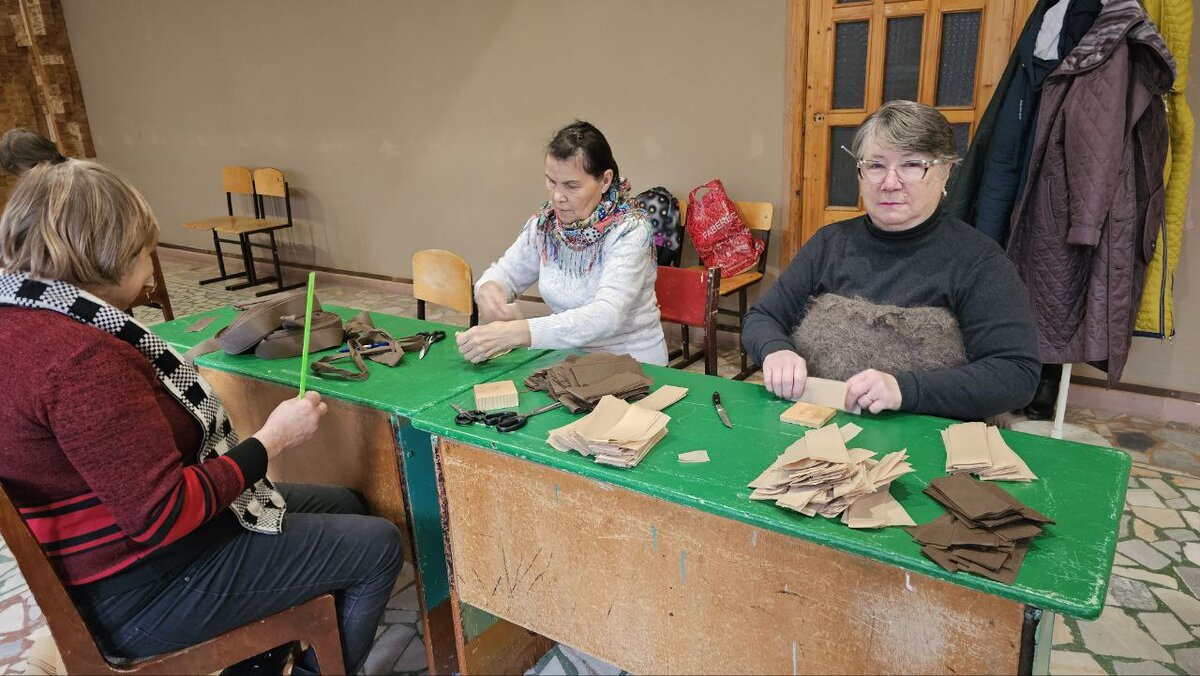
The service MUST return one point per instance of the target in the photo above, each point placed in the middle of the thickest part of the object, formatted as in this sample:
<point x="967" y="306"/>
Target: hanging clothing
<point x="1156" y="315"/>
<point x="1083" y="231"/>
<point x="994" y="172"/>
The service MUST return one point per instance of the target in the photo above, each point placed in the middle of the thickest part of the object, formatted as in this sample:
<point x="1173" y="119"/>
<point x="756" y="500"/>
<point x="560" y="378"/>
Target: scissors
<point x="503" y="421"/>
<point x="430" y="337"/>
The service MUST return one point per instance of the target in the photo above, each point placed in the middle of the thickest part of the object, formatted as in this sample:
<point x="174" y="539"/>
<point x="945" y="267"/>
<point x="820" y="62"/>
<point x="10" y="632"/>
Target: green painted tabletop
<point x="177" y="336"/>
<point x="404" y="389"/>
<point x="1081" y="487"/>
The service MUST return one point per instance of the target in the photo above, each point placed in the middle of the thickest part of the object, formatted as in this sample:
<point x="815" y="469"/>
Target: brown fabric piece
<point x="580" y="382"/>
<point x="985" y="530"/>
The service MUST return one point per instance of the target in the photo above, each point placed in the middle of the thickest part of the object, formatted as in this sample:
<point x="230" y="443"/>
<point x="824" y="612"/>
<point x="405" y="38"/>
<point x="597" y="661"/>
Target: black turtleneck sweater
<point x="942" y="262"/>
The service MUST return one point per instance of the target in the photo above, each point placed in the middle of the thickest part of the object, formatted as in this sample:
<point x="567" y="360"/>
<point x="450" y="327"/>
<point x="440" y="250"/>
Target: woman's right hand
<point x="784" y="374"/>
<point x="493" y="303"/>
<point x="293" y="422"/>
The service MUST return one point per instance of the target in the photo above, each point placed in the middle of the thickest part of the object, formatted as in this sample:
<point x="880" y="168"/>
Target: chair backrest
<point x="688" y="296"/>
<point x="270" y="182"/>
<point x="237" y="180"/>
<point x="443" y="277"/>
<point x="71" y="635"/>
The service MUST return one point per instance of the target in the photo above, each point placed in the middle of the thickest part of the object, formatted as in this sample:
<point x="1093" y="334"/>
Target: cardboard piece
<point x="694" y="456"/>
<point x="824" y="392"/>
<point x="808" y="415"/>
<point x="200" y="324"/>
<point x="615" y="433"/>
<point x="817" y="474"/>
<point x="492" y="396"/>
<point x="663" y="397"/>
<point x="979" y="449"/>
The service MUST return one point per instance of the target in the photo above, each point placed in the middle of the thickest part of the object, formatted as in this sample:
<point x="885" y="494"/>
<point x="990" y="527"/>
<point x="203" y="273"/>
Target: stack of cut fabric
<point x="818" y="475"/>
<point x="580" y="382"/>
<point x="977" y="448"/>
<point x="984" y="531"/>
<point x="615" y="433"/>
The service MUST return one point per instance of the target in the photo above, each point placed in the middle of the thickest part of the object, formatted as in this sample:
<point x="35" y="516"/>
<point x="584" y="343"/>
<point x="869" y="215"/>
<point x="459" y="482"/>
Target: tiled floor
<point x="1151" y="622"/>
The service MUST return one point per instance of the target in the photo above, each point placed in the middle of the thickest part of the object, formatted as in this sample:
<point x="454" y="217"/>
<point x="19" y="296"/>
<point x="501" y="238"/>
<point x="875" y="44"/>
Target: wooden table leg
<point x="655" y="587"/>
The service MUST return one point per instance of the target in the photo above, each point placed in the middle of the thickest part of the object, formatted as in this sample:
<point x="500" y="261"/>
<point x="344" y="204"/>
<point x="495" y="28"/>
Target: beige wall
<point x="417" y="124"/>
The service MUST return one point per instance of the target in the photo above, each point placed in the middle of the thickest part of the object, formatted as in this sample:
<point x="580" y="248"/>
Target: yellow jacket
<point x="1156" y="312"/>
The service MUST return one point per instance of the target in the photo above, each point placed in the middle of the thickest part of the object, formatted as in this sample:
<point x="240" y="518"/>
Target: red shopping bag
<point x="718" y="233"/>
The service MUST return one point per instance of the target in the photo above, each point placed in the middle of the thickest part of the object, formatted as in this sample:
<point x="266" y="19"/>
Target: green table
<point x="1082" y="487"/>
<point x="366" y="441"/>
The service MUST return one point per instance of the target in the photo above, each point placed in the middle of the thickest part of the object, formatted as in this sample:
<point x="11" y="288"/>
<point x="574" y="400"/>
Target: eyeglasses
<point x="908" y="171"/>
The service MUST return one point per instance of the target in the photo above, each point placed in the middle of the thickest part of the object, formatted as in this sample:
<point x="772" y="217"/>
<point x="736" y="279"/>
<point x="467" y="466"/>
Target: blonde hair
<point x="75" y="221"/>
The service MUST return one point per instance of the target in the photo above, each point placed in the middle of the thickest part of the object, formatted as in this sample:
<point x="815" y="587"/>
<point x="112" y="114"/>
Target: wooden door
<point x="862" y="53"/>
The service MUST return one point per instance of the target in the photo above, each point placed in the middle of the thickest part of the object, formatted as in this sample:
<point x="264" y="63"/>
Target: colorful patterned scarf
<point x="575" y="247"/>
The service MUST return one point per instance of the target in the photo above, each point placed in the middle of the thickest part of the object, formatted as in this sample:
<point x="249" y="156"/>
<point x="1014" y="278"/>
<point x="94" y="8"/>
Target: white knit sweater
<point x="611" y="309"/>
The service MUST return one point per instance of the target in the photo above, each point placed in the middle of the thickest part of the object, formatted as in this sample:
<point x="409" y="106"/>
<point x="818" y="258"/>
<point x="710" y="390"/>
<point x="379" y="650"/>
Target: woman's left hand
<point x="480" y="343"/>
<point x="872" y="390"/>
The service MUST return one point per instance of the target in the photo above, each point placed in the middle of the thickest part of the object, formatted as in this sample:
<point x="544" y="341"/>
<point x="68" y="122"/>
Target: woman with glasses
<point x="915" y="310"/>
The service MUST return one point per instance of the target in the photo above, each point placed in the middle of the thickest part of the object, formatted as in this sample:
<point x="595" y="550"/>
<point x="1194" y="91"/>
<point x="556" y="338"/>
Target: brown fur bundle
<point x="840" y="337"/>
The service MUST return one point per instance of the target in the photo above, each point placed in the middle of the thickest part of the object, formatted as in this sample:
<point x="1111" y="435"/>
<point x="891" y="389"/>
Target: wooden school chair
<point x="757" y="216"/>
<point x="444" y="278"/>
<point x="314" y="621"/>
<point x="236" y="181"/>
<point x="157" y="297"/>
<point x="689" y="297"/>
<point x="268" y="182"/>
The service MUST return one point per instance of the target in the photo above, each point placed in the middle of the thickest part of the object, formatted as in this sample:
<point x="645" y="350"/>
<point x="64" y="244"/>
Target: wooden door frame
<point x="796" y="91"/>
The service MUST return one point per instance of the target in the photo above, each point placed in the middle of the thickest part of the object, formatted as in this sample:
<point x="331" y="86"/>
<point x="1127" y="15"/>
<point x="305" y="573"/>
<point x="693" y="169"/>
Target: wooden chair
<point x="314" y="621"/>
<point x="268" y="182"/>
<point x="689" y="297"/>
<point x="158" y="296"/>
<point x="757" y="216"/>
<point x="444" y="278"/>
<point x="236" y="181"/>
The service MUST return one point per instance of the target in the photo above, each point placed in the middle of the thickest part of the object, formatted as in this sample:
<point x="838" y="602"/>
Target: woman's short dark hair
<point x="583" y="138"/>
<point x="22" y="150"/>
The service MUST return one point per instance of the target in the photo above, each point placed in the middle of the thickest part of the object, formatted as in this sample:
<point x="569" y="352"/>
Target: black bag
<point x="663" y="209"/>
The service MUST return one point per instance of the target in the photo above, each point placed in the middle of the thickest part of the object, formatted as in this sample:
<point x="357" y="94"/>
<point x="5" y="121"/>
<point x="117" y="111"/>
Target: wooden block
<point x="808" y="415"/>
<point x="491" y="396"/>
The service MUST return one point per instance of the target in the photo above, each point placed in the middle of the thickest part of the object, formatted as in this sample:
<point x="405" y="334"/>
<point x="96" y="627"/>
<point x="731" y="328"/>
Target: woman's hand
<point x="784" y="374"/>
<point x="293" y="422"/>
<point x="493" y="303"/>
<point x="482" y="342"/>
<point x="874" y="391"/>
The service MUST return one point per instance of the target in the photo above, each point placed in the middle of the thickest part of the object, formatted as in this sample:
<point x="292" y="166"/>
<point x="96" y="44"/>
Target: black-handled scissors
<point x="430" y="337"/>
<point x="503" y="421"/>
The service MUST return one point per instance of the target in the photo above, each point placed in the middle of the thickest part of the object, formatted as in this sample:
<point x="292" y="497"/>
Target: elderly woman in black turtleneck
<point x="915" y="310"/>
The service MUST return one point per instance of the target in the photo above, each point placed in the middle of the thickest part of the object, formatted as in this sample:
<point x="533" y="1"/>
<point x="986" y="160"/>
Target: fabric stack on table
<point x="984" y="531"/>
<point x="977" y="448"/>
<point x="616" y="433"/>
<point x="581" y="382"/>
<point x="818" y="475"/>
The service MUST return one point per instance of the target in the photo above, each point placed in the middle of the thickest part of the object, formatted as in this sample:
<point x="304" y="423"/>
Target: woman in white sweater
<point x="591" y="253"/>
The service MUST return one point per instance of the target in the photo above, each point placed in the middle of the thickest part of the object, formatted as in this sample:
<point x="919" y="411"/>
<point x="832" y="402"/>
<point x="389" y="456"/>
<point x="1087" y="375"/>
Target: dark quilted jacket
<point x="1085" y="226"/>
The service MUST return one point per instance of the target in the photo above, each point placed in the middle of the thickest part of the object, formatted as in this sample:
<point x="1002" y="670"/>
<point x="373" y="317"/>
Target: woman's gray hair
<point x="75" y="221"/>
<point x="909" y="127"/>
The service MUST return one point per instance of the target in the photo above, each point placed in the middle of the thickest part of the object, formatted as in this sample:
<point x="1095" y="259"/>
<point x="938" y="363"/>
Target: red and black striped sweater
<point x="96" y="454"/>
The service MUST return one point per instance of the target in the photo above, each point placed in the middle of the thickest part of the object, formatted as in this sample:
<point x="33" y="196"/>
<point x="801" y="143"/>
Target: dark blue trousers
<point x="328" y="544"/>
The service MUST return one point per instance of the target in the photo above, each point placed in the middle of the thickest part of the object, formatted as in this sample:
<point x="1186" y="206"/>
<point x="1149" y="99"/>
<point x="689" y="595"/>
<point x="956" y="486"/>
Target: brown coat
<point x="1085" y="226"/>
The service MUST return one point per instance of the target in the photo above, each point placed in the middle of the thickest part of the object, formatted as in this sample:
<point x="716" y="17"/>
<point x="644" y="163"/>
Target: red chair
<point x="689" y="298"/>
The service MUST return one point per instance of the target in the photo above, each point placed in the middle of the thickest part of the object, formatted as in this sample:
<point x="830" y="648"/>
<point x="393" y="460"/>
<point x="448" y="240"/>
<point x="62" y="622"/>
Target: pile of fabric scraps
<point x="984" y="531"/>
<point x="818" y="475"/>
<point x="364" y="341"/>
<point x="977" y="448"/>
<point x="580" y="382"/>
<point x="618" y="433"/>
